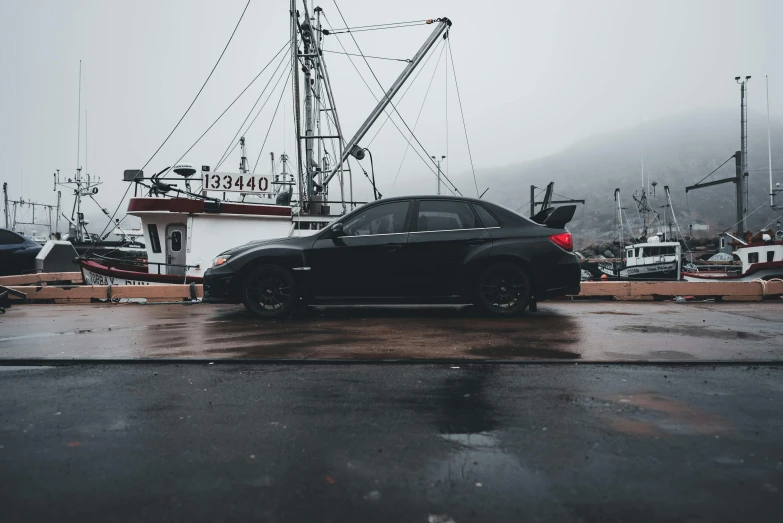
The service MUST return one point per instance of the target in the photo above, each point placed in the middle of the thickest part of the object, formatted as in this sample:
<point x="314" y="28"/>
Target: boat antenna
<point x="79" y="118"/>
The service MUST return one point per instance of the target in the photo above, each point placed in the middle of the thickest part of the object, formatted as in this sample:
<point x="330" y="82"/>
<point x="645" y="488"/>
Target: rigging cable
<point x="387" y="113"/>
<point x="223" y="113"/>
<point x="95" y="240"/>
<point x="464" y="126"/>
<point x="230" y="149"/>
<point x="713" y="172"/>
<point x="535" y="196"/>
<point x="392" y="103"/>
<point x="416" y="123"/>
<point x="744" y="218"/>
<point x="408" y="88"/>
<point x="282" y="92"/>
<point x="377" y="27"/>
<point x="408" y="60"/>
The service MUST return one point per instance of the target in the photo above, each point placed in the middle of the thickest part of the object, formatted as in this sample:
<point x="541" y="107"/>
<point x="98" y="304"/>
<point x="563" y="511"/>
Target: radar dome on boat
<point x="184" y="169"/>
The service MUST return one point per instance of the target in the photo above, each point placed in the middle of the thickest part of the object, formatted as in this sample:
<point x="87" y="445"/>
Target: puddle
<point x="695" y="331"/>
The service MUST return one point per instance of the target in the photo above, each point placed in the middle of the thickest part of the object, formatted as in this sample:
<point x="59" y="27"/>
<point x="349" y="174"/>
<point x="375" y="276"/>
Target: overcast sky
<point x="534" y="78"/>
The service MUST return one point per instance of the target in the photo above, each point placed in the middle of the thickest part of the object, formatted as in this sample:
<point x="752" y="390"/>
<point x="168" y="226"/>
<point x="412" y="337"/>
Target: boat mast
<point x="295" y="93"/>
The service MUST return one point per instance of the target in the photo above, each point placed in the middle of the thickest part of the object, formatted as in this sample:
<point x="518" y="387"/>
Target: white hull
<point x="656" y="271"/>
<point x="92" y="278"/>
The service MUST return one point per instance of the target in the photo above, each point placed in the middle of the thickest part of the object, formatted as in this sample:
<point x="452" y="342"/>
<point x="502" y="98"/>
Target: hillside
<point x="678" y="151"/>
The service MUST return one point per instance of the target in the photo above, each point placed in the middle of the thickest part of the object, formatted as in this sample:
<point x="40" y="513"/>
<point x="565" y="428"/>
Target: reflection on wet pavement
<point x="576" y="331"/>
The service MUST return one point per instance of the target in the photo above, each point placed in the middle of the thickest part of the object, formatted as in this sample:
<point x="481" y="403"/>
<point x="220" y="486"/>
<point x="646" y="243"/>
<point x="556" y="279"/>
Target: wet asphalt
<point x="426" y="443"/>
<point x="571" y="331"/>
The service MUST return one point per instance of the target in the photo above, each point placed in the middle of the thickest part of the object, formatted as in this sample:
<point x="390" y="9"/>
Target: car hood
<point x="251" y="246"/>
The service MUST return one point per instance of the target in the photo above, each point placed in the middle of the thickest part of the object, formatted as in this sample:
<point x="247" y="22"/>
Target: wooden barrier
<point x="41" y="278"/>
<point x="618" y="290"/>
<point x="82" y="293"/>
<point x="648" y="290"/>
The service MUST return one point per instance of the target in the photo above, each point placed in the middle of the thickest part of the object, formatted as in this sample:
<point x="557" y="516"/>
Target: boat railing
<point x="140" y="263"/>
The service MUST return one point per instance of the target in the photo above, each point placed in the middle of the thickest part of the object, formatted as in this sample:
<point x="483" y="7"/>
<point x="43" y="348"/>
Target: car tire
<point x="503" y="289"/>
<point x="269" y="291"/>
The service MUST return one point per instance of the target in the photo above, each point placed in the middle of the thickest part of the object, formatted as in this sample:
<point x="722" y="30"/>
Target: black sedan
<point x="425" y="249"/>
<point x="17" y="253"/>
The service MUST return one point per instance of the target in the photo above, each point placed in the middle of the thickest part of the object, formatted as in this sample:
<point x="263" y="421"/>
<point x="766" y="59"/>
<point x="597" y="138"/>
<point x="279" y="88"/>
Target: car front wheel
<point x="269" y="291"/>
<point x="503" y="289"/>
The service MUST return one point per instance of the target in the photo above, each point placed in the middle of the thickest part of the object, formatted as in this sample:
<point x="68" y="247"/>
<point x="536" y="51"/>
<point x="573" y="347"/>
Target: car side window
<point x="386" y="218"/>
<point x="486" y="217"/>
<point x="9" y="238"/>
<point x="445" y="215"/>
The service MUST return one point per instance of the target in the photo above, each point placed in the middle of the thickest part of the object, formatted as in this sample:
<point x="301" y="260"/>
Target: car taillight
<point x="563" y="240"/>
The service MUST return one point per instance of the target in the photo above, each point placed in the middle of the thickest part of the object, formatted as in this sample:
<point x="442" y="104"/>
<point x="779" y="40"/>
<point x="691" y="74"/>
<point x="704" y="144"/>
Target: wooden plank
<point x="605" y="288"/>
<point x="774" y="288"/>
<point x="81" y="292"/>
<point x="696" y="288"/>
<point x="677" y="288"/>
<point x="39" y="278"/>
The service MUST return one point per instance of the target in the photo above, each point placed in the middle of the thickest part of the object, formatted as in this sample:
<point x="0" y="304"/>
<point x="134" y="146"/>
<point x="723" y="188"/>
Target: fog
<point x="533" y="78"/>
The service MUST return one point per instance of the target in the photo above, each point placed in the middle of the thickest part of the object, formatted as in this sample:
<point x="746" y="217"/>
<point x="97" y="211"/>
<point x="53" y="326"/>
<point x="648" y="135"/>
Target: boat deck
<point x="569" y="331"/>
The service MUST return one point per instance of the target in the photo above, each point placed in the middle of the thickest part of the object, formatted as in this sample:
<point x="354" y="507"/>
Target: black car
<point x="17" y="253"/>
<point x="416" y="249"/>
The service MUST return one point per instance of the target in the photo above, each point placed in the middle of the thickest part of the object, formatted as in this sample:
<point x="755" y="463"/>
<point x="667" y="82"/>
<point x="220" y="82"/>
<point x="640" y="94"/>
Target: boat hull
<point x="755" y="273"/>
<point x="95" y="273"/>
<point x="656" y="271"/>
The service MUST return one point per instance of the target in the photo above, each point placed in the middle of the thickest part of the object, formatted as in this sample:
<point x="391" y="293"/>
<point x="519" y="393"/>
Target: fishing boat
<point x="653" y="258"/>
<point x="762" y="258"/>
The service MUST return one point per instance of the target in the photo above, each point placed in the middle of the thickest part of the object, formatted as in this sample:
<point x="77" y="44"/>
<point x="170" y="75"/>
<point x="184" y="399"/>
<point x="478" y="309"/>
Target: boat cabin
<point x="767" y="252"/>
<point x="183" y="235"/>
<point x="651" y="252"/>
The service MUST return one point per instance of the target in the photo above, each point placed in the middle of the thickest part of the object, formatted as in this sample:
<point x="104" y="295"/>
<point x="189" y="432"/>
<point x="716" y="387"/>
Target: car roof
<point x="433" y="197"/>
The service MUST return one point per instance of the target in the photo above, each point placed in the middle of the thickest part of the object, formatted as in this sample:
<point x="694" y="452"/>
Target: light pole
<point x="436" y="159"/>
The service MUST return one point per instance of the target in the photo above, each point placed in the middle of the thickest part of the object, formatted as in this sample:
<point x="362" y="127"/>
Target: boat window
<point x="638" y="252"/>
<point x="387" y="218"/>
<point x="445" y="215"/>
<point x="9" y="238"/>
<point x="487" y="218"/>
<point x="154" y="239"/>
<point x="176" y="241"/>
<point x="723" y="243"/>
<point x="770" y="256"/>
<point x="753" y="257"/>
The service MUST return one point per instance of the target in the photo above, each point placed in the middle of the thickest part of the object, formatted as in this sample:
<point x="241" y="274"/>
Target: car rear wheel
<point x="269" y="291"/>
<point x="503" y="289"/>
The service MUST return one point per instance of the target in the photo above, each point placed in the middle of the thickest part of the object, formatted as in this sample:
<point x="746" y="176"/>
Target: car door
<point x="445" y="236"/>
<point x="366" y="260"/>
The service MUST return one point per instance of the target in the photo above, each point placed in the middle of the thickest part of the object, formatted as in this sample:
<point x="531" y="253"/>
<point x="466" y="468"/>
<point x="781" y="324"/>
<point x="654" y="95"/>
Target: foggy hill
<point x="678" y="151"/>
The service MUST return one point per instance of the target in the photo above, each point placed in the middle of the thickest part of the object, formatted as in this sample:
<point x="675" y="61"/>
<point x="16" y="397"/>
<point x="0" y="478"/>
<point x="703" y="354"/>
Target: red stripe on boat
<point x="185" y="205"/>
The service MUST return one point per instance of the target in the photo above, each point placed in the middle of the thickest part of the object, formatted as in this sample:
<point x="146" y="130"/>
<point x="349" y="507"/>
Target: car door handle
<point x="393" y="247"/>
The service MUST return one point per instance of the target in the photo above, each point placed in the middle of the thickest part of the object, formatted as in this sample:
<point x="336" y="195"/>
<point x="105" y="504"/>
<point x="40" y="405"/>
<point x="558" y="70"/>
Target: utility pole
<point x="434" y="158"/>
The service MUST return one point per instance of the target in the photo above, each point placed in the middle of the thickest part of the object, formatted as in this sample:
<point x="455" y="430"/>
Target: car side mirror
<point x="337" y="230"/>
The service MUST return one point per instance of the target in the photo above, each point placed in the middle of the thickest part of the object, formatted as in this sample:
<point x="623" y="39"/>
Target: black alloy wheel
<point x="503" y="289"/>
<point x="269" y="291"/>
